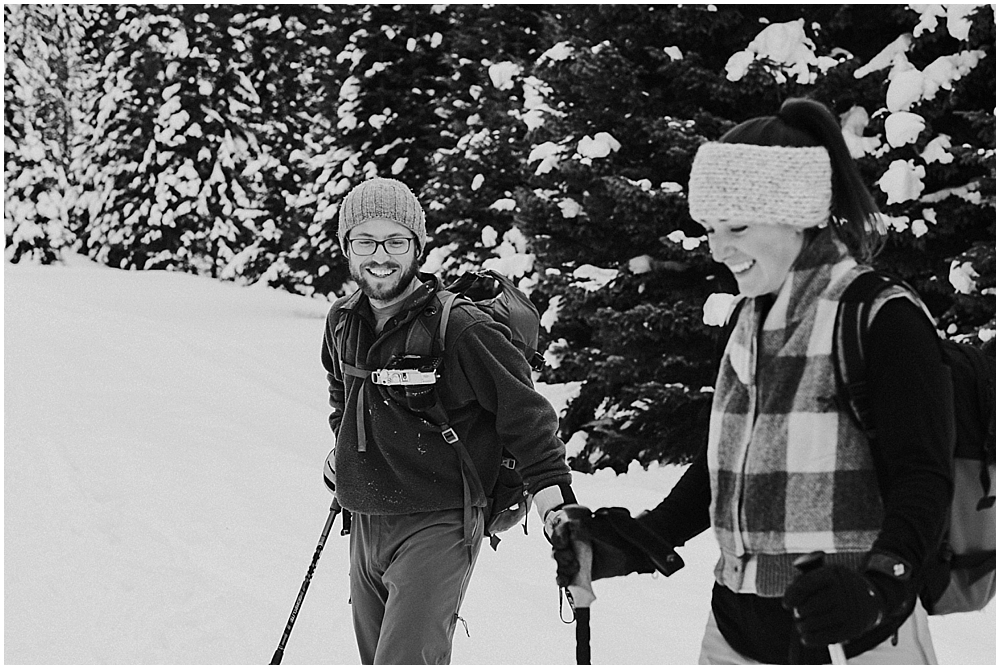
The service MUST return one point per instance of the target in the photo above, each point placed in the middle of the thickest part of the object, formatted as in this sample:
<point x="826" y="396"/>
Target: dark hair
<point x="802" y="122"/>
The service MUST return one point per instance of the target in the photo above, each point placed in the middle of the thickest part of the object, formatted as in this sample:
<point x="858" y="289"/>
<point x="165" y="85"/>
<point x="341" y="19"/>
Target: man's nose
<point x="380" y="252"/>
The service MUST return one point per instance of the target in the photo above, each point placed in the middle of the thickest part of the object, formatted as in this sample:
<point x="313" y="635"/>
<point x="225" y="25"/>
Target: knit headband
<point x="786" y="185"/>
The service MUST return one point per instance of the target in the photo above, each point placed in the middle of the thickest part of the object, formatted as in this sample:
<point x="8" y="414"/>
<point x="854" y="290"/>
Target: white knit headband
<point x="787" y="185"/>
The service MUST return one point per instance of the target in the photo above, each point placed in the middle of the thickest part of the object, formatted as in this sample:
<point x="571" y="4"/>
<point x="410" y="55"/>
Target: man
<point x="416" y="531"/>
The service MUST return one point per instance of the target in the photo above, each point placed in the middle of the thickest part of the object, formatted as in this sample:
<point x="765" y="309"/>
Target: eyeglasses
<point x="394" y="246"/>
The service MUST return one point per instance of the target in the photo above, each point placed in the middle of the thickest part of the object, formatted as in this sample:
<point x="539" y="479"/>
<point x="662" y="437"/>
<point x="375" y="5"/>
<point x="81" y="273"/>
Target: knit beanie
<point x="382" y="198"/>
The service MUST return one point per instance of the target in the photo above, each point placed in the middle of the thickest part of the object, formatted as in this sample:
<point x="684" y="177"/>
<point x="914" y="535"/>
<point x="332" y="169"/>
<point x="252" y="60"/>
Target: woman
<point x="786" y="473"/>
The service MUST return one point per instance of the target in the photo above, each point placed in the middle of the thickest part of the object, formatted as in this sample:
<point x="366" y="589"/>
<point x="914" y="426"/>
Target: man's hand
<point x="564" y="526"/>
<point x="567" y="529"/>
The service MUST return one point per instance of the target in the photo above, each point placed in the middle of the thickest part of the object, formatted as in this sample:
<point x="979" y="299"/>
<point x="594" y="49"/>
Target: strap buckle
<point x="509" y="463"/>
<point x="449" y="435"/>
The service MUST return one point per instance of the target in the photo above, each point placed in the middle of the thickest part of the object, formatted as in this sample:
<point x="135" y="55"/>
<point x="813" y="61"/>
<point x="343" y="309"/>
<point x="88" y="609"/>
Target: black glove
<point x="621" y="544"/>
<point x="329" y="477"/>
<point x="836" y="604"/>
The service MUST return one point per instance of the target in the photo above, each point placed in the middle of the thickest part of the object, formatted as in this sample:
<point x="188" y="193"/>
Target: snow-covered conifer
<point x="40" y="98"/>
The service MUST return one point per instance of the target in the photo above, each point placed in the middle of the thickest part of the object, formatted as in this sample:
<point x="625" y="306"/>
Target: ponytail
<point x="854" y="214"/>
<point x="802" y="122"/>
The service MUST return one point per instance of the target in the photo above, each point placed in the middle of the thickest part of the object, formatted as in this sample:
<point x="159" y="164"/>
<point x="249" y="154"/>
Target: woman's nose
<point x="719" y="247"/>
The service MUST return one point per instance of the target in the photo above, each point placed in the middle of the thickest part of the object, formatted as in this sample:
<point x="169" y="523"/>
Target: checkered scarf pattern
<point x="790" y="473"/>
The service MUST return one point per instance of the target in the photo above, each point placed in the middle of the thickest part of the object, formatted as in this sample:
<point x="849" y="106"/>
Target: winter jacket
<point x="404" y="465"/>
<point x="911" y="467"/>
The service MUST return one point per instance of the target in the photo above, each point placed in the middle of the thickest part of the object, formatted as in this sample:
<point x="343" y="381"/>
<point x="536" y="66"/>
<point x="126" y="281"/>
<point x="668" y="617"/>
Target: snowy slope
<point x="163" y="441"/>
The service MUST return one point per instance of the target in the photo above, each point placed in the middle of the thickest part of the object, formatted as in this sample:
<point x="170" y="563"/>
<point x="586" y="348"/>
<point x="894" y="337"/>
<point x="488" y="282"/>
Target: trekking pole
<point x="581" y="596"/>
<point x="334" y="510"/>
<point x="808" y="563"/>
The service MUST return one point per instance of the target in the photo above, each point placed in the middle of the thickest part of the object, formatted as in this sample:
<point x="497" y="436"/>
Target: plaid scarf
<point x="790" y="472"/>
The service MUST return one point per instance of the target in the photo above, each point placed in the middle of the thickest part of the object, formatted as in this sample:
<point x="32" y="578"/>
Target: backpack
<point x="495" y="295"/>
<point x="501" y="300"/>
<point x="415" y="372"/>
<point x="962" y="577"/>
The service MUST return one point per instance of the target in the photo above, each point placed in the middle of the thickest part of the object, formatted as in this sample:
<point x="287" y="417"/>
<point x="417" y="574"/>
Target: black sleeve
<point x="525" y="422"/>
<point x="908" y="383"/>
<point x="684" y="512"/>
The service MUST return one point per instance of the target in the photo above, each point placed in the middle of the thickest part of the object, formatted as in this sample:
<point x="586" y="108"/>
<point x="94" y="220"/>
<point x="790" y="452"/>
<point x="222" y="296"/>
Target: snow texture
<point x="902" y="128"/>
<point x="784" y="44"/>
<point x="717" y="308"/>
<point x="903" y="181"/>
<point x="164" y="437"/>
<point x="853" y="123"/>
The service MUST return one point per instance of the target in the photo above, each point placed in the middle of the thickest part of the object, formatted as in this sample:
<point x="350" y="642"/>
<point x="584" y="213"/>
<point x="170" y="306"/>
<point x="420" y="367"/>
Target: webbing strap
<point x="419" y="341"/>
<point x="359" y="415"/>
<point x="357" y="372"/>
<point x="446" y="305"/>
<point x="471" y="492"/>
<point x="468" y="518"/>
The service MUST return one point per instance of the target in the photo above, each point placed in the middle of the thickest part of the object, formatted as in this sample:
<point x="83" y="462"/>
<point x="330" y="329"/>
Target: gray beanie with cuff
<point x="382" y="198"/>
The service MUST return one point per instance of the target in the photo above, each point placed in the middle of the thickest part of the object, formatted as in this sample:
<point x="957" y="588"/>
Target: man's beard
<point x="383" y="292"/>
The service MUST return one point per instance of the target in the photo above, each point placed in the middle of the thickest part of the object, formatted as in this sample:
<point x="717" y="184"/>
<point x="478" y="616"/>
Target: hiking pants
<point x="913" y="647"/>
<point x="409" y="574"/>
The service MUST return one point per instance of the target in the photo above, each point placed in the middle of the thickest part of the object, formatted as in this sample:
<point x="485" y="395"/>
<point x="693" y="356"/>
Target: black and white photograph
<point x="501" y="334"/>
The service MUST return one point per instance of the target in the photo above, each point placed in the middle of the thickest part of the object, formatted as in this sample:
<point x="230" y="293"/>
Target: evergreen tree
<point x="39" y="98"/>
<point x="406" y="94"/>
<point x="286" y="50"/>
<point x="635" y="342"/>
<point x="164" y="184"/>
<point x="380" y="96"/>
<point x="610" y="114"/>
<point x="552" y="142"/>
<point x="195" y="157"/>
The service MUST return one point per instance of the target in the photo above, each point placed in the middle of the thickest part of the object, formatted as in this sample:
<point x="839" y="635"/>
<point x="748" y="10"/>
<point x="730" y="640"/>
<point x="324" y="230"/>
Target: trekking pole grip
<point x="806" y="564"/>
<point x="582" y="593"/>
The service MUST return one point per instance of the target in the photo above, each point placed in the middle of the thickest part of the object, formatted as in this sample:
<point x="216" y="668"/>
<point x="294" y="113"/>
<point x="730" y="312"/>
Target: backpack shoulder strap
<point x="344" y="313"/>
<point x="853" y="317"/>
<point x="348" y="370"/>
<point x="340" y="334"/>
<point x="426" y="335"/>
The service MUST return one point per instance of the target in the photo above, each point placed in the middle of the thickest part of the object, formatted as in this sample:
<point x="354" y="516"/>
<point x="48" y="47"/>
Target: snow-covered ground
<point x="164" y="435"/>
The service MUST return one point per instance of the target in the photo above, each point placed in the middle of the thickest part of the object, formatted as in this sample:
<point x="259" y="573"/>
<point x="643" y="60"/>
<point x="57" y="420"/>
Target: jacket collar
<point x="430" y="284"/>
